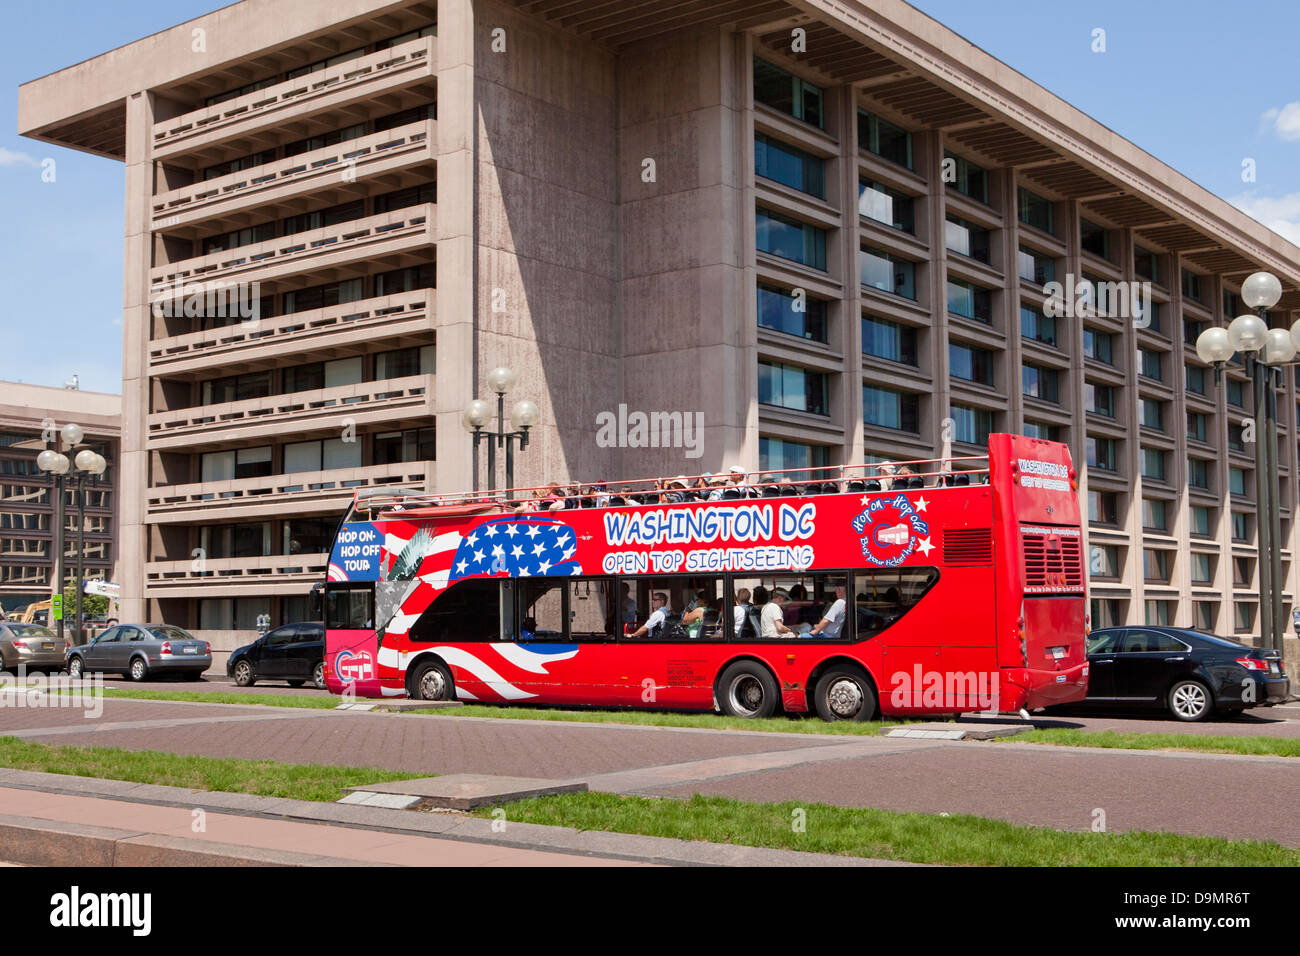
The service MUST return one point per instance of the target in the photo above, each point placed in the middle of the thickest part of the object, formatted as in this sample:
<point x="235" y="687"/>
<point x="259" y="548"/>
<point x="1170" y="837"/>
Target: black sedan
<point x="294" y="653"/>
<point x="1187" y="672"/>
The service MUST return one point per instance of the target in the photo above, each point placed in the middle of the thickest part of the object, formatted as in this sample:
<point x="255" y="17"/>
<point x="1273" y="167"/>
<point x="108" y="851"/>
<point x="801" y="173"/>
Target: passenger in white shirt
<point x="741" y="610"/>
<point x="654" y="625"/>
<point x="773" y="619"/>
<point x="832" y="624"/>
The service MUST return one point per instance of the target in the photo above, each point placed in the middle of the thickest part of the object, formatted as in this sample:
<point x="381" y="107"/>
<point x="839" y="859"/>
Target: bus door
<point x="351" y="647"/>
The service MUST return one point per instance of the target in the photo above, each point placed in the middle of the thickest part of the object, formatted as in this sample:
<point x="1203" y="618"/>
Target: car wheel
<point x="844" y="693"/>
<point x="139" y="669"/>
<point x="431" y="681"/>
<point x="1190" y="700"/>
<point x="295" y="683"/>
<point x="244" y="676"/>
<point x="76" y="668"/>
<point x="318" y="675"/>
<point x="746" y="689"/>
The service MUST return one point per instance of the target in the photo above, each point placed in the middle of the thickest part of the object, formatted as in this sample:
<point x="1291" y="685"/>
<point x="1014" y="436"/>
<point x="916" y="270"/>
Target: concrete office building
<point x="27" y="528"/>
<point x="621" y="200"/>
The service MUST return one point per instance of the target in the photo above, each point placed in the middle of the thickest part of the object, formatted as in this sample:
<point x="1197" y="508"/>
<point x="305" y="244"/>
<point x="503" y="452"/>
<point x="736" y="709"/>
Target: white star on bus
<point x="924" y="546"/>
<point x="921" y="503"/>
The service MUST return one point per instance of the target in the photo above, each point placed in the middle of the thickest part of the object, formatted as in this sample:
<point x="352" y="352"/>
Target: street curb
<point x="529" y="836"/>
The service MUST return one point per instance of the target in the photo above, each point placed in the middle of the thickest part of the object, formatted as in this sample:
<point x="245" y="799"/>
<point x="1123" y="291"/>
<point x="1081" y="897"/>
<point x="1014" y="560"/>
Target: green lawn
<point x="1225" y="744"/>
<point x="261" y="777"/>
<point x="913" y="837"/>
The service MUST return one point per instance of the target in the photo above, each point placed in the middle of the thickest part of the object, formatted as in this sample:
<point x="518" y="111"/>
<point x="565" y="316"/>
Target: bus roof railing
<point x="823" y="479"/>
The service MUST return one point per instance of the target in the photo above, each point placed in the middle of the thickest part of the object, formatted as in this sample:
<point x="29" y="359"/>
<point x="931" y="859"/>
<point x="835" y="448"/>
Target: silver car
<point x="141" y="651"/>
<point x="34" y="647"/>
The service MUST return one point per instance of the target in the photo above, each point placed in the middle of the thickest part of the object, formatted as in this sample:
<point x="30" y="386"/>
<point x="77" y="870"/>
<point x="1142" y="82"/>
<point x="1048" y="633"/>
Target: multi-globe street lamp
<point x="85" y="463"/>
<point x="1264" y="352"/>
<point x="523" y="416"/>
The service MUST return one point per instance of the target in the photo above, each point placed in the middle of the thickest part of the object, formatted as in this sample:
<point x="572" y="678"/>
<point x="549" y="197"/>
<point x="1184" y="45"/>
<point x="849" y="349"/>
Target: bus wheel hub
<point x="845" y="697"/>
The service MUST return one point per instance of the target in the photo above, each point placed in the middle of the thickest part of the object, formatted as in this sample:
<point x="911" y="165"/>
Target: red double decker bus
<point x="852" y="591"/>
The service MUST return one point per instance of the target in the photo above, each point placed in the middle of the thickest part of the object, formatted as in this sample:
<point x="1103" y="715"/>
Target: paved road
<point x="1023" y="783"/>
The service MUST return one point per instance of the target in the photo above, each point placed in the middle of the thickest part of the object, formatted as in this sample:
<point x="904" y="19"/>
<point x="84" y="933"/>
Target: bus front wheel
<point x="746" y="689"/>
<point x="843" y="693"/>
<point x="431" y="681"/>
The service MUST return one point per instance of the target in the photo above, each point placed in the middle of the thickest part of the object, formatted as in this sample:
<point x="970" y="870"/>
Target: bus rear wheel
<point x="746" y="689"/>
<point x="844" y="693"/>
<point x="431" y="681"/>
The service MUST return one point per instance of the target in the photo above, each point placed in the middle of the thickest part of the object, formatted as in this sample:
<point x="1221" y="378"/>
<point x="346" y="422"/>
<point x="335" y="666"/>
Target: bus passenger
<point x="654" y="625"/>
<point x="773" y="622"/>
<point x="832" y="624"/>
<point x="741" y="611"/>
<point x="717" y="485"/>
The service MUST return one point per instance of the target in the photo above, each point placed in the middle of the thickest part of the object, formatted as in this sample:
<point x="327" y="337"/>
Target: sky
<point x="1201" y="90"/>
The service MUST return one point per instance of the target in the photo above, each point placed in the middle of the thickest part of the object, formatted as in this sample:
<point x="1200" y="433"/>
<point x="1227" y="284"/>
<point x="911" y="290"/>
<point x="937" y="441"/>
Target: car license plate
<point x="189" y="650"/>
<point x="48" y="647"/>
<point x="1058" y="653"/>
<point x="1273" y="668"/>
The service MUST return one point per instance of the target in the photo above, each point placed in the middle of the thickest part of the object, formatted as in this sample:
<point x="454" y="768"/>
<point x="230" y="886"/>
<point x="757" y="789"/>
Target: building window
<point x="789" y="166"/>
<point x="1099" y="399"/>
<point x="885" y="205"/>
<point x="1151" y="413"/>
<point x="239" y="165"/>
<point x="1103" y="507"/>
<point x="403" y="363"/>
<point x="406" y="280"/>
<point x="886" y="408"/>
<point x="1204" y="615"/>
<point x="967" y="178"/>
<point x="966" y="238"/>
<point x="1035" y="267"/>
<point x="792" y="387"/>
<point x="405" y="198"/>
<point x="1243" y="616"/>
<point x="788" y="93"/>
<point x="1240" y="526"/>
<point x="236" y="388"/>
<point x="1155" y="515"/>
<point x="1106" y="613"/>
<point x="972" y="425"/>
<point x="1235" y="392"/>
<point x="1150" y="364"/>
<point x="1198" y="473"/>
<point x="416" y="114"/>
<point x="1155" y="565"/>
<point x="301" y="378"/>
<point x="236" y="540"/>
<point x="788" y="238"/>
<point x="880" y="270"/>
<point x="1146" y="264"/>
<point x="1157" y="613"/>
<point x="1044" y="430"/>
<point x="883" y="138"/>
<point x="1036" y="326"/>
<point x="1200" y="520"/>
<point x="1147" y="315"/>
<point x="1237" y="481"/>
<point x="324" y="296"/>
<point x="1034" y="210"/>
<point x="1191" y="285"/>
<point x="970" y="363"/>
<point x="1243" y="570"/>
<point x="413" y="444"/>
<point x="777" y="454"/>
<point x="1094" y="238"/>
<point x="323" y="455"/>
<point x="320" y="141"/>
<point x="804" y="317"/>
<point x="1103" y="561"/>
<point x="888" y="340"/>
<point x="239" y="237"/>
<point x="1237" y="437"/>
<point x="1153" y="464"/>
<point x="1202" y="568"/>
<point x="1041" y="383"/>
<point x="970" y="301"/>
<point x="323" y="218"/>
<point x="1098" y="345"/>
<point x="1195" y="379"/>
<point x="1196" y="426"/>
<point x="1100" y="453"/>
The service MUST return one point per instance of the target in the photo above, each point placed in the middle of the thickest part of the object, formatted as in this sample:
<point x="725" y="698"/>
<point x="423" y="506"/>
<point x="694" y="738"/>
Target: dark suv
<point x="294" y="653"/>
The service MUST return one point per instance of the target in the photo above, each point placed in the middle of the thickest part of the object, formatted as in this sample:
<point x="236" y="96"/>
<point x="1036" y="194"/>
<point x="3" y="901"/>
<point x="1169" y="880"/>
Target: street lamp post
<point x="523" y="416"/>
<point x="55" y="463"/>
<point x="1264" y="351"/>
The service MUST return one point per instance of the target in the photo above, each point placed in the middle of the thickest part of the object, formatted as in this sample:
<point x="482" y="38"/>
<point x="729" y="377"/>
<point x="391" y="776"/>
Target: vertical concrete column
<point x="133" y="474"/>
<point x="1069" y="336"/>
<point x="930" y="146"/>
<point x="849" y="331"/>
<point x="1011" y="376"/>
<point x="457" y="260"/>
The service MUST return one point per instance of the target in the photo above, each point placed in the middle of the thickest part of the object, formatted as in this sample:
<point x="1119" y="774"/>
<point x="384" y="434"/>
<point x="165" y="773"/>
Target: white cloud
<point x="1285" y="121"/>
<point x="10" y="157"/>
<point x="1279" y="213"/>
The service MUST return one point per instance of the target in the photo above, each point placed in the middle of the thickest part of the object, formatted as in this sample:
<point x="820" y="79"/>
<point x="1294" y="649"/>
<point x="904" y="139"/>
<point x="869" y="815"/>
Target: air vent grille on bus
<point x="1053" y="559"/>
<point x="968" y="546"/>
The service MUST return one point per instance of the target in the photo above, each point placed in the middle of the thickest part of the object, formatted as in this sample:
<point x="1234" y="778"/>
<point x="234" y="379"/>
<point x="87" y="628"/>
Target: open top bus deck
<point x="922" y="587"/>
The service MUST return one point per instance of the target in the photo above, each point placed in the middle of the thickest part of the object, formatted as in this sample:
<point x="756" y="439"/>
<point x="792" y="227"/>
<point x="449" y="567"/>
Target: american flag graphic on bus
<point x="523" y="546"/>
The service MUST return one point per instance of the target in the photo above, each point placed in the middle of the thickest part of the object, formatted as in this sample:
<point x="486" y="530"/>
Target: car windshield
<point x="32" y="630"/>
<point x="166" y="633"/>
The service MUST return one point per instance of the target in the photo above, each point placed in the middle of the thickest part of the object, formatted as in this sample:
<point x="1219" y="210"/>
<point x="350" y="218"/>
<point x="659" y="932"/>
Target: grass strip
<point x="1204" y="743"/>
<point x="789" y="724"/>
<point x="263" y="778"/>
<point x="958" y="839"/>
